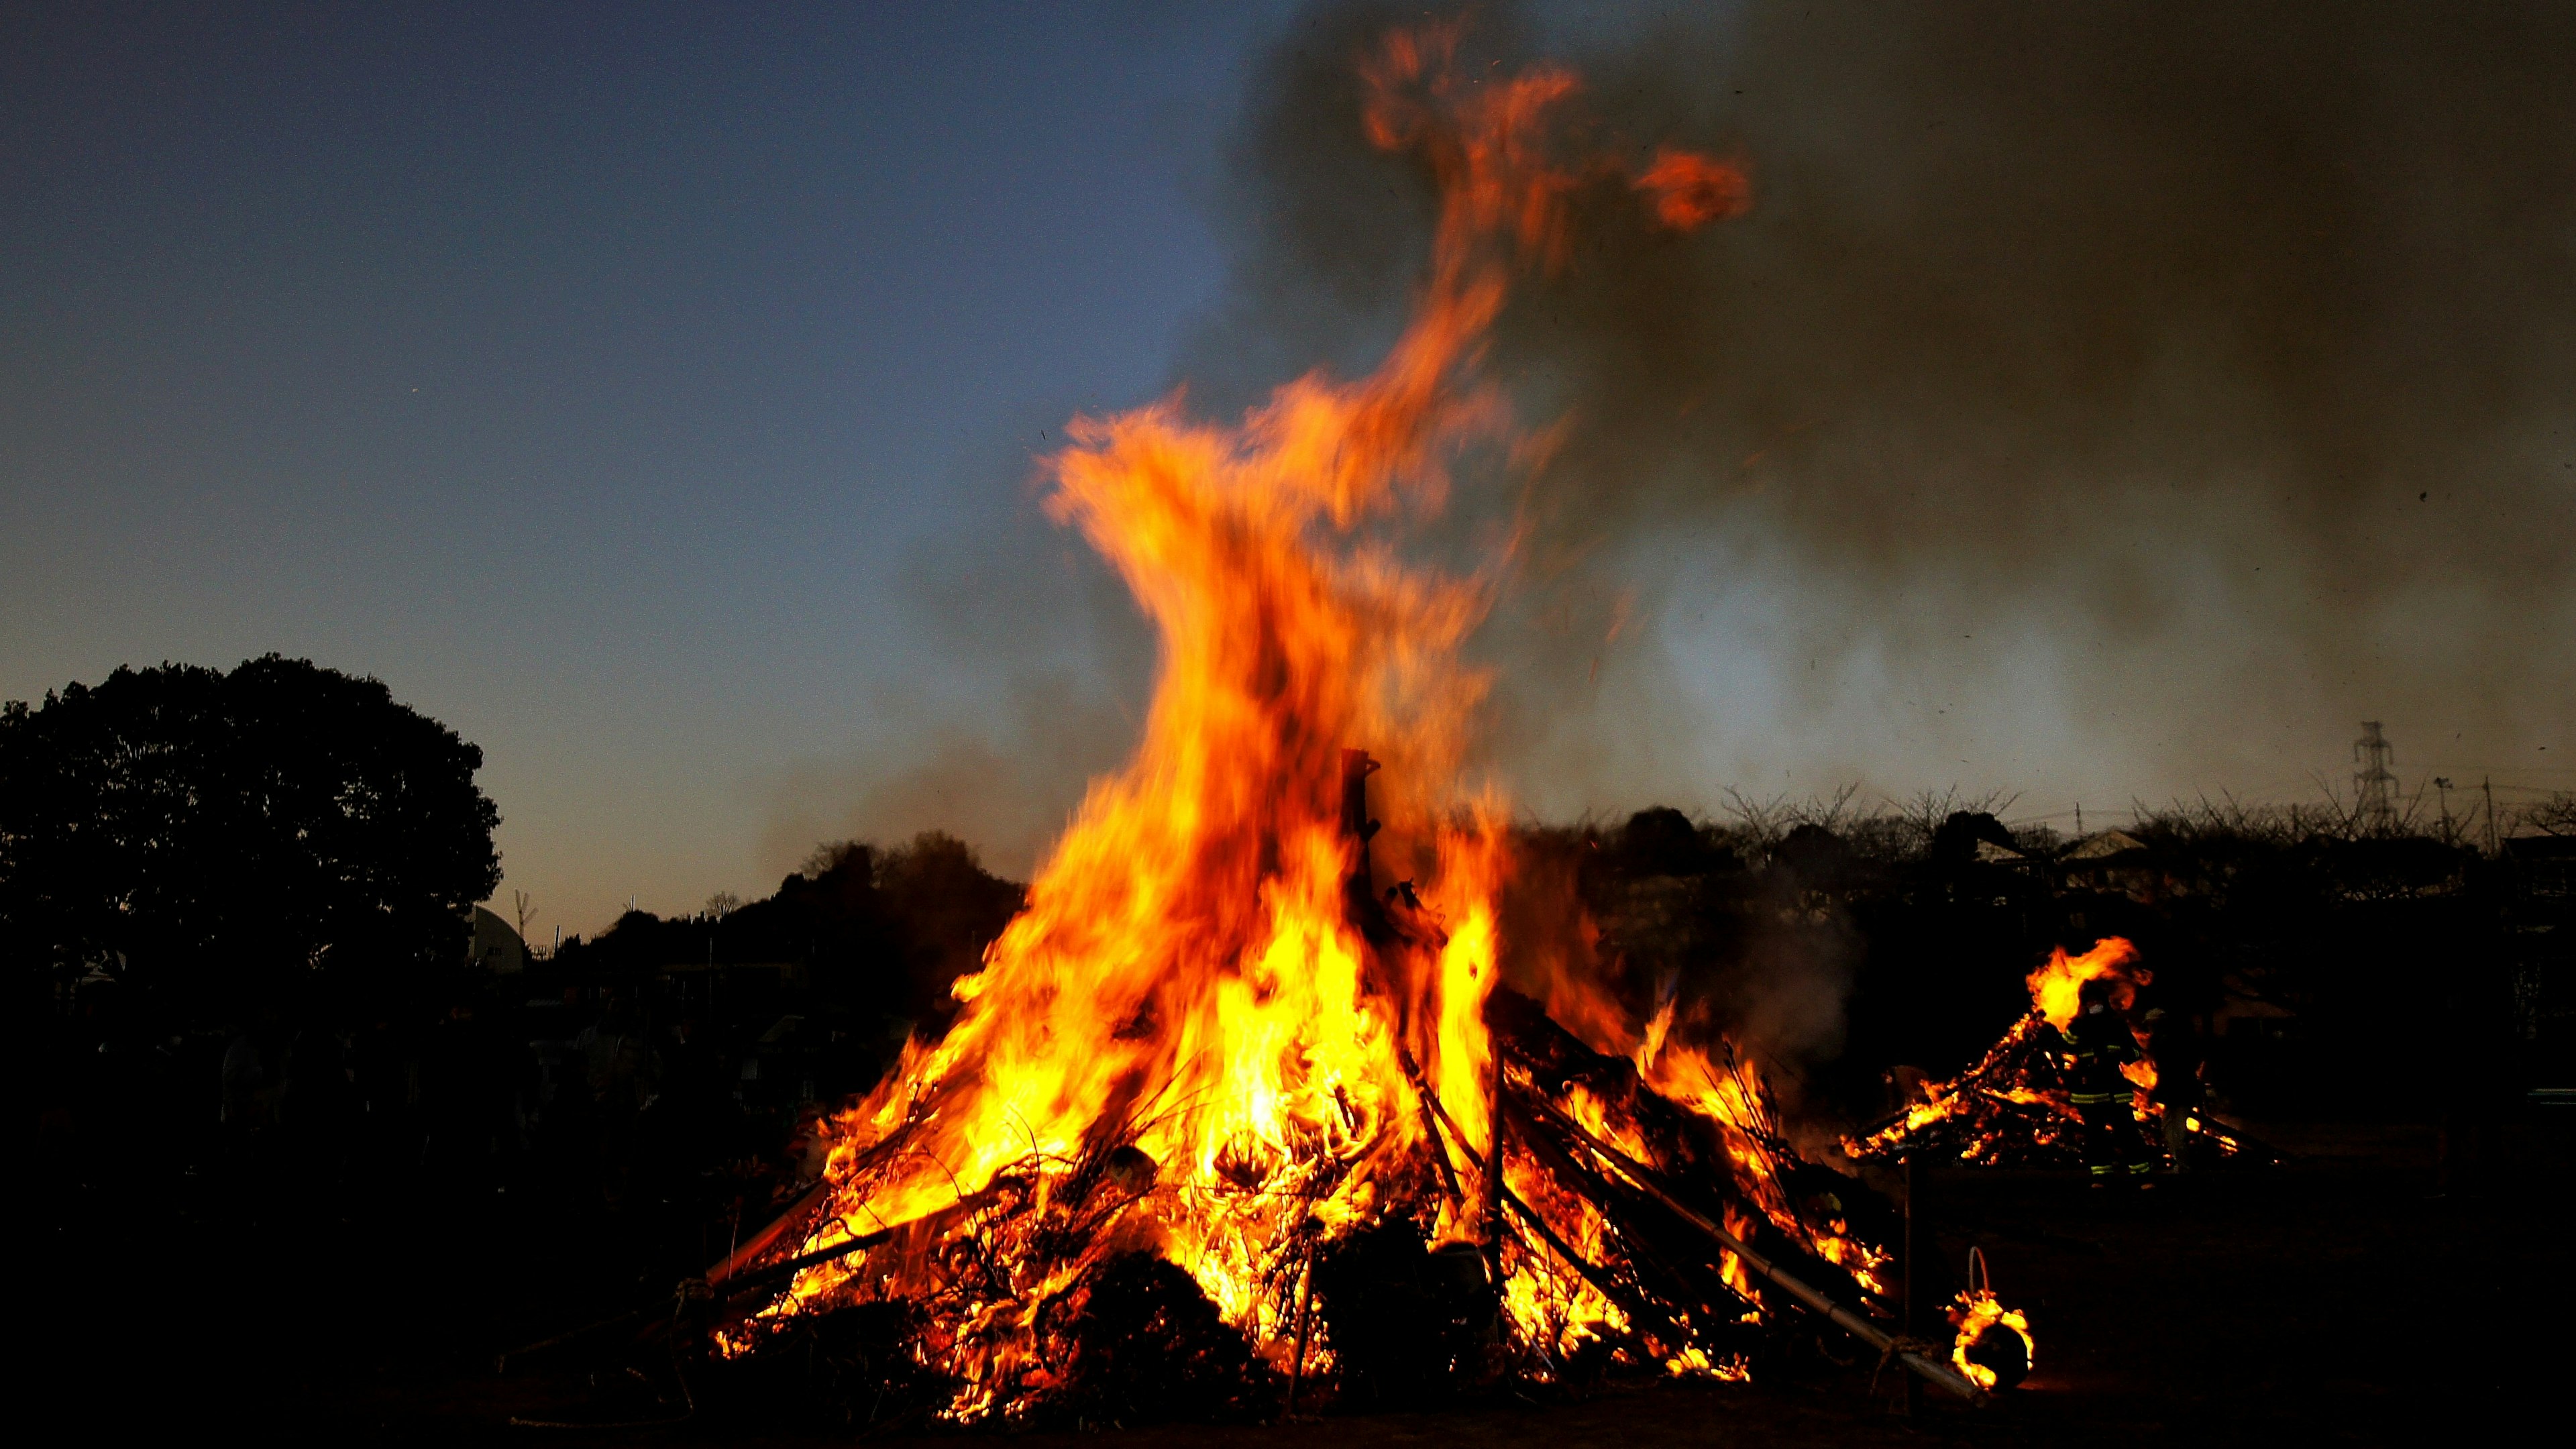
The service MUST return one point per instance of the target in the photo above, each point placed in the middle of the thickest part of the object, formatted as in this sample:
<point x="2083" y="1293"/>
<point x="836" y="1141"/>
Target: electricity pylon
<point x="2374" y="784"/>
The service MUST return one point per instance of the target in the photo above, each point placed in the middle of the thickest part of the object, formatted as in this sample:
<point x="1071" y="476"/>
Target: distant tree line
<point x="880" y="932"/>
<point x="211" y="842"/>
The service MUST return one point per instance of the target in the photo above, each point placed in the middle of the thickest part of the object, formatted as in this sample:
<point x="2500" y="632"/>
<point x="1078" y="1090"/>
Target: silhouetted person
<point x="687" y="1135"/>
<point x="556" y="1084"/>
<point x="250" y="1081"/>
<point x="315" y="1102"/>
<point x="2099" y="1044"/>
<point x="617" y="1062"/>
<point x="2474" y="1068"/>
<point x="465" y="1095"/>
<point x="97" y="1087"/>
<point x="381" y="1080"/>
<point x="694" y="1101"/>
<point x="2173" y="1041"/>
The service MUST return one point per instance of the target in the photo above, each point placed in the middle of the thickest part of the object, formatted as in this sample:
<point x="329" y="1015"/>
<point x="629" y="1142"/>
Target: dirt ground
<point x="2335" y="1299"/>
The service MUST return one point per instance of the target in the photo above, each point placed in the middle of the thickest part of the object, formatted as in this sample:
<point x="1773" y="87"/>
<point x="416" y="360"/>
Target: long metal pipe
<point x="741" y="1283"/>
<point x="767" y="1238"/>
<point x="1608" y="1287"/>
<point x="1930" y="1370"/>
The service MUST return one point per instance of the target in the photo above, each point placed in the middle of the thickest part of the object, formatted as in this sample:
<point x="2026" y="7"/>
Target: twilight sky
<point x="593" y="375"/>
<point x="650" y="392"/>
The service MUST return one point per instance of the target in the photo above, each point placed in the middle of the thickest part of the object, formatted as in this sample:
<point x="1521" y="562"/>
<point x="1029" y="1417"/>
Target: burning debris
<point x="2023" y="1103"/>
<point x="1236" y="1116"/>
<point x="1992" y="1346"/>
<point x="1634" y="1226"/>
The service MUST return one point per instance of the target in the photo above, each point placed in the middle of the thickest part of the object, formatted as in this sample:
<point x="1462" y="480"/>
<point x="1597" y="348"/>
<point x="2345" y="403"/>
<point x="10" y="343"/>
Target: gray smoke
<point x="2159" y="385"/>
<point x="2100" y="400"/>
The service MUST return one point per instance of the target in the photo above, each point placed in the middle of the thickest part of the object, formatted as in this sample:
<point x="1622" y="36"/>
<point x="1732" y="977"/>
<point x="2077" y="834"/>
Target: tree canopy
<point x="883" y="931"/>
<point x="206" y="834"/>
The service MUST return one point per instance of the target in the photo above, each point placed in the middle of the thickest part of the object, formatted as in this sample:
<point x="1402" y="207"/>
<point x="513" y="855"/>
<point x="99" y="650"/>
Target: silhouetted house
<point x="2113" y="860"/>
<point x="1989" y="853"/>
<point x="495" y="946"/>
<point x="2544" y="866"/>
<point x="2542" y="919"/>
<point x="2104" y="845"/>
<point x="716" y="988"/>
<point x="2244" y="1014"/>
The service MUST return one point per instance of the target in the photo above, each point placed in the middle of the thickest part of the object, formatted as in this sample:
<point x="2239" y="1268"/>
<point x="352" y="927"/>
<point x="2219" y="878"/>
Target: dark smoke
<point x="2189" y="379"/>
<point x="1057" y="669"/>
<point x="2099" y="401"/>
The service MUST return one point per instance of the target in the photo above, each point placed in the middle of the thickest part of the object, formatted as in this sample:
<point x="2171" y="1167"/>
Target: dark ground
<point x="2334" y="1299"/>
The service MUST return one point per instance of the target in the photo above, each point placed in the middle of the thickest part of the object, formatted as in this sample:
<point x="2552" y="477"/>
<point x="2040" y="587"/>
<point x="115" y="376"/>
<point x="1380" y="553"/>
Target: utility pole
<point x="2374" y="784"/>
<point x="2443" y="784"/>
<point x="1912" y="1238"/>
<point x="2486" y="786"/>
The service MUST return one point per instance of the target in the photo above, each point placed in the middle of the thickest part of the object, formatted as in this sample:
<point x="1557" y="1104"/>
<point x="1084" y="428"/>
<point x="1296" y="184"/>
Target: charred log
<point x="1147" y="1346"/>
<point x="1403" y="1320"/>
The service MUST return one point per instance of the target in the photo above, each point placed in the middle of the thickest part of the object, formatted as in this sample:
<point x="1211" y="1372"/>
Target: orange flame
<point x="1690" y="190"/>
<point x="1190" y="977"/>
<point x="2055" y="988"/>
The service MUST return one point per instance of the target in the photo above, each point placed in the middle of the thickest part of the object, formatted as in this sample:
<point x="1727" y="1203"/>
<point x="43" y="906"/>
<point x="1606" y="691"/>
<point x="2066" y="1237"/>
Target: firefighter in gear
<point x="2098" y="1044"/>
<point x="2173" y="1044"/>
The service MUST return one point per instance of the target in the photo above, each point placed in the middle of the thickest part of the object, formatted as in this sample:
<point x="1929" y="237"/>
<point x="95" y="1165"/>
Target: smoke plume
<point x="2127" y="393"/>
<point x="2096" y="402"/>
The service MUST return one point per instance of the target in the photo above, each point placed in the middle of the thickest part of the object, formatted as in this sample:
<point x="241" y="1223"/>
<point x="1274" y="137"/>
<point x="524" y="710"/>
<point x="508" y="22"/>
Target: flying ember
<point x="1245" y="1051"/>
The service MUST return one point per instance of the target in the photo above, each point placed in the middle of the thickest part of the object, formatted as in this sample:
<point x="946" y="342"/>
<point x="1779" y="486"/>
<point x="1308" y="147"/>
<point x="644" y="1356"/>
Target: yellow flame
<point x="1189" y="976"/>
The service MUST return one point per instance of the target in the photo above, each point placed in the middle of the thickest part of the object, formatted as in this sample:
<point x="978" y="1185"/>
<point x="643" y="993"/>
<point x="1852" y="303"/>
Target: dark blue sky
<point x="590" y="373"/>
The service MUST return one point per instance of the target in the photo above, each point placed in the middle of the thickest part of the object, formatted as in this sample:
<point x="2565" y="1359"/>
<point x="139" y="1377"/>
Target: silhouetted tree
<point x="1660" y="840"/>
<point x="945" y="906"/>
<point x="205" y="835"/>
<point x="1954" y="841"/>
<point x="2555" y="815"/>
<point x="1814" y="858"/>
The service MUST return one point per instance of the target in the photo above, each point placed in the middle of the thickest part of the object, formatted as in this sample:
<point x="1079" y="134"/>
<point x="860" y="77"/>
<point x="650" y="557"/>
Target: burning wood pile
<point x="2014" y="1107"/>
<point x="1633" y="1227"/>
<point x="1237" y="1117"/>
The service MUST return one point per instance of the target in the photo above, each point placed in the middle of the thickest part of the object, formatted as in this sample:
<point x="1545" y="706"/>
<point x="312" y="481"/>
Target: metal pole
<point x="1430" y="1129"/>
<point x="1305" y="1317"/>
<point x="1493" y="1183"/>
<point x="1932" y="1370"/>
<point x="1913" y="1384"/>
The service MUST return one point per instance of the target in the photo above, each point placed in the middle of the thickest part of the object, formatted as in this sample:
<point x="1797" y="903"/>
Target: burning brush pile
<point x="1237" y="1118"/>
<point x="2014" y="1107"/>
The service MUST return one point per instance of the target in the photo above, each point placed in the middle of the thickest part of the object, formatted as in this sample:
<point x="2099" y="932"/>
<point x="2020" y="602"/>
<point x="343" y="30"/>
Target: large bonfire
<point x="1244" y="1037"/>
<point x="2011" y="1107"/>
